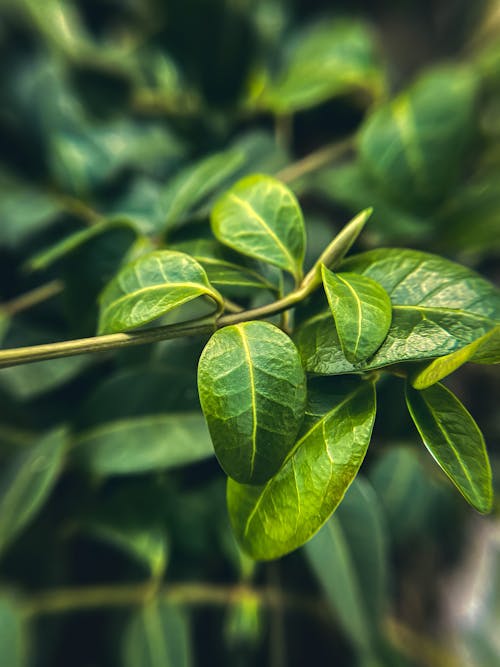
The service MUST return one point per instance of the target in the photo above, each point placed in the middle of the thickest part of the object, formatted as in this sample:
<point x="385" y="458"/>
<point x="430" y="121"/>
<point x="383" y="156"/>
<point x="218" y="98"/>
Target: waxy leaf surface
<point x="275" y="518"/>
<point x="453" y="438"/>
<point x="253" y="391"/>
<point x="361" y="309"/>
<point x="412" y="146"/>
<point x="439" y="307"/>
<point x="150" y="287"/>
<point x="260" y="217"/>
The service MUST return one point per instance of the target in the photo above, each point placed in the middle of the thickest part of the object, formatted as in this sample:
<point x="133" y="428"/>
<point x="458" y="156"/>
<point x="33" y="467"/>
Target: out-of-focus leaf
<point x="361" y="309"/>
<point x="348" y="556"/>
<point x="157" y="635"/>
<point x="13" y="634"/>
<point x="72" y="242"/>
<point x="483" y="350"/>
<point x="276" y="518"/>
<point x="141" y="444"/>
<point x="196" y="182"/>
<point x="454" y="440"/>
<point x="27" y="481"/>
<point x="150" y="287"/>
<point x="261" y="218"/>
<point x="324" y="60"/>
<point x="253" y="391"/>
<point x="414" y="145"/>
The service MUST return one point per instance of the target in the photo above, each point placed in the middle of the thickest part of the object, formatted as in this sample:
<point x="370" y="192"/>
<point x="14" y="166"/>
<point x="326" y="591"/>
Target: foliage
<point x="149" y="215"/>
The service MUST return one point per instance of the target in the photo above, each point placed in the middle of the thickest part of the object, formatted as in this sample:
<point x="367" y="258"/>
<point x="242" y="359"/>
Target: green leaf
<point x="253" y="392"/>
<point x="349" y="558"/>
<point x="324" y="60"/>
<point x="413" y="146"/>
<point x="484" y="350"/>
<point x="439" y="307"/>
<point x="157" y="635"/>
<point x="140" y="444"/>
<point x="63" y="248"/>
<point x="150" y="287"/>
<point x="278" y="517"/>
<point x="453" y="438"/>
<point x="361" y="309"/>
<point x="260" y="217"/>
<point x="194" y="183"/>
<point x="13" y="637"/>
<point x="26" y="483"/>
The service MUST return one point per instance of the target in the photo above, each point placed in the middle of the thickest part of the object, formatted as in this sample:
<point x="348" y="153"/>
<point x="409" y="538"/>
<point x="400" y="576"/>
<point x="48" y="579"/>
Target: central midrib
<point x="251" y="378"/>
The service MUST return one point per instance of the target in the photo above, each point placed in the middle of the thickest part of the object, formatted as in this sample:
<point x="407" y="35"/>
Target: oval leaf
<point x="150" y="287"/>
<point x="142" y="444"/>
<point x="453" y="438"/>
<point x="27" y="482"/>
<point x="278" y="517"/>
<point x="362" y="312"/>
<point x="413" y="145"/>
<point x="157" y="636"/>
<point x="260" y="217"/>
<point x="252" y="390"/>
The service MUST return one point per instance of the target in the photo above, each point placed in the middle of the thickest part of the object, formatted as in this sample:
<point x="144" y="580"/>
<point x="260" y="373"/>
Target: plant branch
<point x="32" y="298"/>
<point x="316" y="160"/>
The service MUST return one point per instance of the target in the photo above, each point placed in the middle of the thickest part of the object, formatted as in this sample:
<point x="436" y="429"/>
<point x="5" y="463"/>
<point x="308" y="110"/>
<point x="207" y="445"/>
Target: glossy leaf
<point x="13" y="637"/>
<point x="72" y="242"/>
<point x="361" y="309"/>
<point x="260" y="217"/>
<point x="157" y="635"/>
<point x="194" y="183"/>
<point x="453" y="438"/>
<point x="349" y="558"/>
<point x="141" y="444"/>
<point x="324" y="60"/>
<point x="253" y="391"/>
<point x="413" y="145"/>
<point x="150" y="287"/>
<point x="483" y="350"/>
<point x="278" y="517"/>
<point x="27" y="481"/>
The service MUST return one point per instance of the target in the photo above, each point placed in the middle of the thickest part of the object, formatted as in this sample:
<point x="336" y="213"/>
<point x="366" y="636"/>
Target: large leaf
<point x="260" y="217"/>
<point x="141" y="444"/>
<point x="26" y="483"/>
<point x="194" y="183"/>
<point x="157" y="635"/>
<point x="413" y="145"/>
<point x="439" y="307"/>
<point x="13" y="639"/>
<point x="150" y="287"/>
<point x="349" y="558"/>
<point x="361" y="309"/>
<point x="453" y="438"/>
<point x="253" y="391"/>
<point x="276" y="518"/>
<point x="483" y="350"/>
<point x="327" y="59"/>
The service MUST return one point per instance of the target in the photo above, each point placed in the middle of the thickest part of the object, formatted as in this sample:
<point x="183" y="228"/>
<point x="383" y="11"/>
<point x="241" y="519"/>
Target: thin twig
<point x="316" y="160"/>
<point x="32" y="298"/>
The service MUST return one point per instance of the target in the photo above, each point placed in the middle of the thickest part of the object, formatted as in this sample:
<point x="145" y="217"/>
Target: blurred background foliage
<point x="120" y="122"/>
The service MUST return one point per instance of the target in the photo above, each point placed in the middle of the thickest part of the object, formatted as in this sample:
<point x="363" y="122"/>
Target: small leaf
<point x="483" y="350"/>
<point x="453" y="438"/>
<point x="252" y="390"/>
<point x="194" y="183"/>
<point x="157" y="635"/>
<point x="361" y="309"/>
<point x="413" y="145"/>
<point x="63" y="248"/>
<point x="13" y="636"/>
<point x="26" y="483"/>
<point x="260" y="217"/>
<point x="349" y="558"/>
<point x="278" y="517"/>
<point x="142" y="444"/>
<point x="150" y="287"/>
